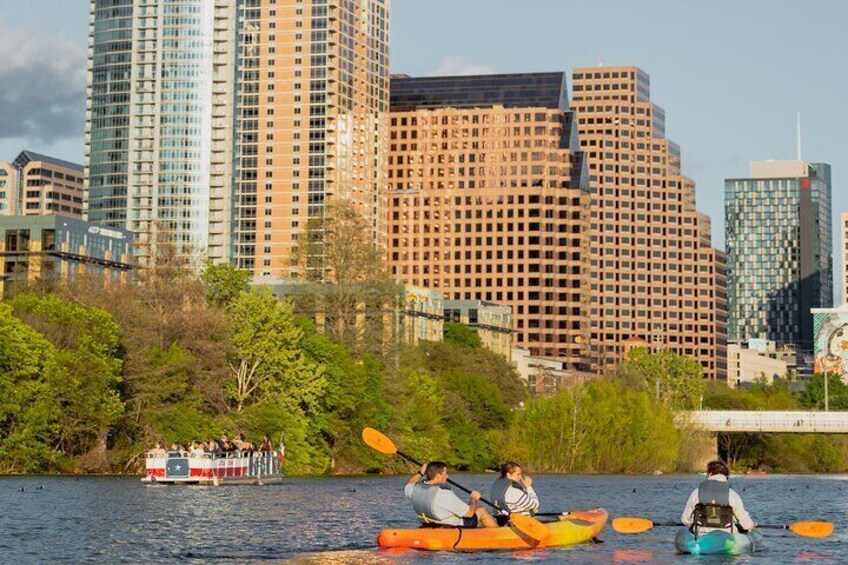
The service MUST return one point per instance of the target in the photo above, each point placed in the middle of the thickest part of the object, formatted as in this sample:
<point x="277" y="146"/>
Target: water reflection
<point x="317" y="521"/>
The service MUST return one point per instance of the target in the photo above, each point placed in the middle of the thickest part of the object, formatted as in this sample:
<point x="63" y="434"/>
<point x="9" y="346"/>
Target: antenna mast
<point x="798" y="135"/>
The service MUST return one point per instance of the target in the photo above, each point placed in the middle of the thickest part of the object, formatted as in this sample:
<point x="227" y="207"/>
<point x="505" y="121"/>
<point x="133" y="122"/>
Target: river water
<point x="336" y="520"/>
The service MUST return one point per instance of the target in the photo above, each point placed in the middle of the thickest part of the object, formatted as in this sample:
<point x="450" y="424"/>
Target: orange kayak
<point x="576" y="527"/>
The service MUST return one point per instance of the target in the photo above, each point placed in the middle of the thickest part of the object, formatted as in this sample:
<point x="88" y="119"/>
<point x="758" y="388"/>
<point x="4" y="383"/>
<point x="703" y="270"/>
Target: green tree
<point x="223" y="282"/>
<point x="352" y="400"/>
<point x="677" y="380"/>
<point x="27" y="406"/>
<point x="265" y="356"/>
<point x="85" y="375"/>
<point x="813" y="394"/>
<point x="462" y="336"/>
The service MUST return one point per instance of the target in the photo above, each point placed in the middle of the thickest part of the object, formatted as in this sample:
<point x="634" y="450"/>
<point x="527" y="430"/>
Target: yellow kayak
<point x="574" y="528"/>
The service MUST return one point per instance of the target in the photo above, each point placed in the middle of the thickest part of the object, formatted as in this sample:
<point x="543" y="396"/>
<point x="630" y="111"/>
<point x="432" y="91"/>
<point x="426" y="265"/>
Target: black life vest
<point x="713" y="509"/>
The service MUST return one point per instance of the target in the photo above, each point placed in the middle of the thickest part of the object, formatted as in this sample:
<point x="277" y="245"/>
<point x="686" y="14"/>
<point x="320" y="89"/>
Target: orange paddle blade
<point x="530" y="527"/>
<point x="378" y="441"/>
<point x="812" y="529"/>
<point x="631" y="525"/>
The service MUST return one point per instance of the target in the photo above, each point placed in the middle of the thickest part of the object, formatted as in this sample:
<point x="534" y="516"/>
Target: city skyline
<point x="743" y="85"/>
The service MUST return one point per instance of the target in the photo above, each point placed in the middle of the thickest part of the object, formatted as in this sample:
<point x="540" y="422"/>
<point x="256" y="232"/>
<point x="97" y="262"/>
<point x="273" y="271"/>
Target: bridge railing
<point x="766" y="421"/>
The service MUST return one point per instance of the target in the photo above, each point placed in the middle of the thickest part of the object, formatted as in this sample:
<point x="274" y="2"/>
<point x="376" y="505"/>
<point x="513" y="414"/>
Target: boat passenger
<point x="266" y="444"/>
<point x="513" y="492"/>
<point x="716" y="506"/>
<point x="242" y="444"/>
<point x="438" y="506"/>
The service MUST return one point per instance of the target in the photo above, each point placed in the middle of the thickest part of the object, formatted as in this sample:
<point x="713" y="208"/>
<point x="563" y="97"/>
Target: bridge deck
<point x="767" y="421"/>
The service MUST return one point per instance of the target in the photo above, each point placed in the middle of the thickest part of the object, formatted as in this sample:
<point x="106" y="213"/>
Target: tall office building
<point x="159" y="121"/>
<point x="655" y="277"/>
<point x="844" y="252"/>
<point x="228" y="123"/>
<point x="779" y="262"/>
<point x="488" y="201"/>
<point x="313" y="98"/>
<point x="35" y="184"/>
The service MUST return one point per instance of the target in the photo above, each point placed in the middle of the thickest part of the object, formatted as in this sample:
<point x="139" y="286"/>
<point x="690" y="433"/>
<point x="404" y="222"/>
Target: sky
<point x="731" y="75"/>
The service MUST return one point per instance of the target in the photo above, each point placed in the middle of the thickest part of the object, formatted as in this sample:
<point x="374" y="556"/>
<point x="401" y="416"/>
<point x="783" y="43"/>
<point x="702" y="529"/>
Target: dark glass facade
<point x="779" y="263"/>
<point x="523" y="90"/>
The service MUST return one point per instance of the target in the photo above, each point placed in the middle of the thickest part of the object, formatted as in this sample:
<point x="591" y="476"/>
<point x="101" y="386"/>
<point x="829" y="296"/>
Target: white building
<point x="759" y="360"/>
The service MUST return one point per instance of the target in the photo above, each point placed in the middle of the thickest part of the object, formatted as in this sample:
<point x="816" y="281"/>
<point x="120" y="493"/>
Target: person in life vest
<point x="716" y="506"/>
<point x="513" y="492"/>
<point x="438" y="506"/>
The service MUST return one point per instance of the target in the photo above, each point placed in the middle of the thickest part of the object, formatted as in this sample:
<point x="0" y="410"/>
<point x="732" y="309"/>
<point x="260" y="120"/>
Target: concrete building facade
<point x="313" y="99"/>
<point x="747" y="365"/>
<point x="35" y="184"/>
<point x="492" y="322"/>
<point x="654" y="273"/>
<point x="779" y="247"/>
<point x="487" y="201"/>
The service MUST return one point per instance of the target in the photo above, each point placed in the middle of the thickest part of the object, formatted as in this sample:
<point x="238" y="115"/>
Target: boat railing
<point x="259" y="463"/>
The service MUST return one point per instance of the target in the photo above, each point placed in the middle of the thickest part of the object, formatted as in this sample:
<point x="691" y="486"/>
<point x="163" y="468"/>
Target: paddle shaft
<point x="457" y="485"/>
<point x="676" y="524"/>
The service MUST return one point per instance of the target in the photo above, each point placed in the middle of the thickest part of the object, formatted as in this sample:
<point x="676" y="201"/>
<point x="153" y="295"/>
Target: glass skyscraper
<point x="779" y="241"/>
<point x="158" y="131"/>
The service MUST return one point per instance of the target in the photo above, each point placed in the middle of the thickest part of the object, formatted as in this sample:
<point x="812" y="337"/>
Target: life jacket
<point x="498" y="491"/>
<point x="424" y="502"/>
<point x="713" y="510"/>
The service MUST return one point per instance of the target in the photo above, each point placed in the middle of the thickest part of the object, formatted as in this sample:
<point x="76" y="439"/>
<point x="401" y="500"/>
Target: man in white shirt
<point x="513" y="491"/>
<point x="715" y="506"/>
<point x="436" y="504"/>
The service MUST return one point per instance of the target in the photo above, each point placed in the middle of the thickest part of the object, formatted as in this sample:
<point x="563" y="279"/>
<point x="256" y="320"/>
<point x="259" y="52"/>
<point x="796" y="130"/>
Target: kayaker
<point x="513" y="492"/>
<point x="716" y="506"/>
<point x="437" y="505"/>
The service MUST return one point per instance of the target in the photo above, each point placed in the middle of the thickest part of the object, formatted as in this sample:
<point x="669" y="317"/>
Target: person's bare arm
<point x="417" y="476"/>
<point x="472" y="503"/>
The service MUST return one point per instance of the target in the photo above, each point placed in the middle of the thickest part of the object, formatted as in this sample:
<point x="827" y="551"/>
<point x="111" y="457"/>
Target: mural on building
<point x="830" y="328"/>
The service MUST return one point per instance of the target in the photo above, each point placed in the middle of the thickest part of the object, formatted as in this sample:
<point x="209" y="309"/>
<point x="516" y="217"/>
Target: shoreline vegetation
<point x="91" y="377"/>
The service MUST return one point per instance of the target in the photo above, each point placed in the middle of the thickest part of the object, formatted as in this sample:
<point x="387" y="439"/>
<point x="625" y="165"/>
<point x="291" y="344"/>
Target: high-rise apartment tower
<point x="229" y="123"/>
<point x="488" y="200"/>
<point x="779" y="251"/>
<point x="655" y="277"/>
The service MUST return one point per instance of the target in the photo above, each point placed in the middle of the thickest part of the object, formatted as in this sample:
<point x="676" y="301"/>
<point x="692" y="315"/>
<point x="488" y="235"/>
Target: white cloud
<point x="42" y="85"/>
<point x="459" y="66"/>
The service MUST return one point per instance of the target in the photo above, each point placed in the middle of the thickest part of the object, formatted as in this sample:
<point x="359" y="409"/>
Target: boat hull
<point x="575" y="528"/>
<point x="717" y="543"/>
<point x="233" y="468"/>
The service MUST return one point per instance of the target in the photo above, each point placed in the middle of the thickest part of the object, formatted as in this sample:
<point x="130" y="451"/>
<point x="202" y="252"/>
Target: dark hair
<point x="718" y="468"/>
<point x="434" y="469"/>
<point x="508" y="467"/>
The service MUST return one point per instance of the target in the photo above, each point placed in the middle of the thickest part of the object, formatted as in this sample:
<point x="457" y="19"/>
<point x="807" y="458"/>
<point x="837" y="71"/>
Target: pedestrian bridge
<point x="766" y="421"/>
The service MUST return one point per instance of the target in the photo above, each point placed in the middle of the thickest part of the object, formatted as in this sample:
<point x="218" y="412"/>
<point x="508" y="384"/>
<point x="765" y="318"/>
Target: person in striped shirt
<point x="513" y="491"/>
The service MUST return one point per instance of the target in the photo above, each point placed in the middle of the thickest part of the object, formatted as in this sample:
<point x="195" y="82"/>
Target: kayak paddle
<point x="807" y="529"/>
<point x="527" y="525"/>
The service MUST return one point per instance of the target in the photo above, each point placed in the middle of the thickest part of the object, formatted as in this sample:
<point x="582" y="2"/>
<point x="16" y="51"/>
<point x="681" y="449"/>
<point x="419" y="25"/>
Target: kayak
<point x="574" y="528"/>
<point x="717" y="542"/>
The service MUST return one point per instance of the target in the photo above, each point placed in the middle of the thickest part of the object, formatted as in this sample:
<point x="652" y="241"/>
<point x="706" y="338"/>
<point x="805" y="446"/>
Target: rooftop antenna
<point x="798" y="135"/>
